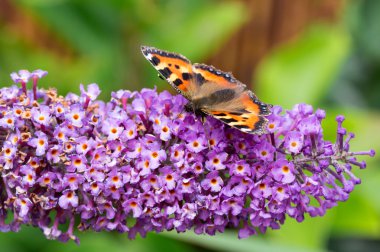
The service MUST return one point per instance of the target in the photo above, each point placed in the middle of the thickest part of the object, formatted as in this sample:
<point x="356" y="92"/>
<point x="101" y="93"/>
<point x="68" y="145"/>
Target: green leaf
<point x="32" y="239"/>
<point x="360" y="215"/>
<point x="228" y="241"/>
<point x="301" y="71"/>
<point x="200" y="33"/>
<point x="357" y="216"/>
<point x="312" y="233"/>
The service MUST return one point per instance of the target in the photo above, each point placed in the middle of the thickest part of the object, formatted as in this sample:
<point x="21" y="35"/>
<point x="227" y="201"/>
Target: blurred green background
<point x="322" y="52"/>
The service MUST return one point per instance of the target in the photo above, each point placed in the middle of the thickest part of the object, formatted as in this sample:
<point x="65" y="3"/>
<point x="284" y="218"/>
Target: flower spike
<point x="95" y="165"/>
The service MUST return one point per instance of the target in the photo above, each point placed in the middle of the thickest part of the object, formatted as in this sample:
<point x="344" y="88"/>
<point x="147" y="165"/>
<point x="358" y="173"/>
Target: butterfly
<point x="211" y="91"/>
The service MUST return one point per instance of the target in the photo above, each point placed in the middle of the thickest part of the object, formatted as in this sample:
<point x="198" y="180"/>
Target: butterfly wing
<point x="225" y="98"/>
<point x="211" y="91"/>
<point x="175" y="68"/>
<point x="247" y="118"/>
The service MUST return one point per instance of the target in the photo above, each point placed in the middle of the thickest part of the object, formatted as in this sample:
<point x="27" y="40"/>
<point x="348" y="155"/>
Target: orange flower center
<point x="153" y="180"/>
<point x="72" y="179"/>
<point x="27" y="114"/>
<point x="212" y="142"/>
<point x="285" y="169"/>
<point x="241" y="146"/>
<point x="146" y="164"/>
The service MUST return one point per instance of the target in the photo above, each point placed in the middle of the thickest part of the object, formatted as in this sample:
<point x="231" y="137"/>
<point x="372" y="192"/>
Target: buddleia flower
<point x="97" y="165"/>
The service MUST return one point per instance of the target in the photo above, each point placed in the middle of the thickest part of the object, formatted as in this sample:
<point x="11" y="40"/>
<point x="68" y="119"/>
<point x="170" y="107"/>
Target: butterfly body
<point x="211" y="91"/>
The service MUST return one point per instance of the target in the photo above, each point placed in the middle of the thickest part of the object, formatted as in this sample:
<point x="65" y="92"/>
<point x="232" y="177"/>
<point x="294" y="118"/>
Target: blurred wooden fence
<point x="270" y="23"/>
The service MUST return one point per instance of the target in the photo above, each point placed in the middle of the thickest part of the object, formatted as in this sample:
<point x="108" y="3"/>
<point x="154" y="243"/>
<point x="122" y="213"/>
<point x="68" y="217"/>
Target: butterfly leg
<point x="203" y="119"/>
<point x="207" y="133"/>
<point x="189" y="107"/>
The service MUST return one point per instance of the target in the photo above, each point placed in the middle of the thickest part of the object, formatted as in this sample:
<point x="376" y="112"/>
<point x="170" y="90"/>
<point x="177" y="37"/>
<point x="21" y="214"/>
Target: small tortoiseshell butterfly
<point x="211" y="91"/>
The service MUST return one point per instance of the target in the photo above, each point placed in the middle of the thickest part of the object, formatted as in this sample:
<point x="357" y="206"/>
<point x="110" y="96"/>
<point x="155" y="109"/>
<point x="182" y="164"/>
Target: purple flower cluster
<point x="139" y="163"/>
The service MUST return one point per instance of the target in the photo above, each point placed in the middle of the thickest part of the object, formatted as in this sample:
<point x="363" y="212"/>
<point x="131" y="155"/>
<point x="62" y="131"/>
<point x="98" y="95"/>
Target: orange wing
<point x="227" y="99"/>
<point x="208" y="73"/>
<point x="175" y="68"/>
<point x="249" y="117"/>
